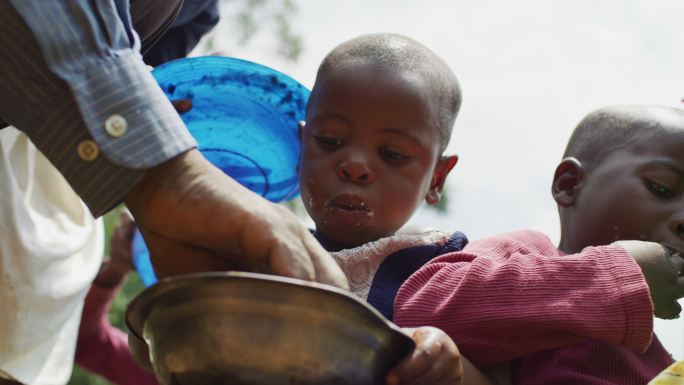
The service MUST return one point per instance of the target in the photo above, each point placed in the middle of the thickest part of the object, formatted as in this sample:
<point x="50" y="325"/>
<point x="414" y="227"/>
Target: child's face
<point x="370" y="154"/>
<point x="635" y="193"/>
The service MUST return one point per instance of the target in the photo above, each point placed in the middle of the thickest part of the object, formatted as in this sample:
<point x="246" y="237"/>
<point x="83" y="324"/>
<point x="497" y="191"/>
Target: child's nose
<point x="355" y="170"/>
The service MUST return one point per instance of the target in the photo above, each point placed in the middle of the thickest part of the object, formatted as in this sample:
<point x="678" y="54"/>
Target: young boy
<point x="579" y="313"/>
<point x="405" y="125"/>
<point x="378" y="120"/>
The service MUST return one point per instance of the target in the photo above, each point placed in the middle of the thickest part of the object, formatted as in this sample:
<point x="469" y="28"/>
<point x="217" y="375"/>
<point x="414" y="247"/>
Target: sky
<point x="530" y="70"/>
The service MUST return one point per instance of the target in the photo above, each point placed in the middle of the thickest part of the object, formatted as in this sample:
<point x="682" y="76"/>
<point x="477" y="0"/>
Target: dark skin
<point x="370" y="155"/>
<point x="371" y="152"/>
<point x="635" y="195"/>
<point x="195" y="218"/>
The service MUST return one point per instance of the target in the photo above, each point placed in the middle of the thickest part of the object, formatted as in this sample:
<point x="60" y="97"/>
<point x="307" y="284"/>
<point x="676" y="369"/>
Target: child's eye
<point x="393" y="156"/>
<point x="659" y="190"/>
<point x="328" y="142"/>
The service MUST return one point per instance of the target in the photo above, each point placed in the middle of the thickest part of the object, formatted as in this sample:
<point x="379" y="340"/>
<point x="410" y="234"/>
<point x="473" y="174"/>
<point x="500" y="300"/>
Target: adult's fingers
<point x="192" y="203"/>
<point x="289" y="259"/>
<point x="297" y="254"/>
<point x="326" y="269"/>
<point x="182" y="105"/>
<point x="170" y="257"/>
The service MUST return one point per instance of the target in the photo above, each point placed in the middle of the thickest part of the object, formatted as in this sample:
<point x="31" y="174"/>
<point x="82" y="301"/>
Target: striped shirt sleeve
<point x="67" y="68"/>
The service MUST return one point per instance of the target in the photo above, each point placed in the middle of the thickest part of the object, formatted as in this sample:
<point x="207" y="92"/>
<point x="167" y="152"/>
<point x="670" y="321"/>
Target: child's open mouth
<point x="349" y="209"/>
<point x="349" y="202"/>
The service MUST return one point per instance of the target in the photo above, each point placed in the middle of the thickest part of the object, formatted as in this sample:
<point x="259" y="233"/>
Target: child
<point x="579" y="313"/>
<point x="378" y="120"/>
<point x="101" y="347"/>
<point x="418" y="126"/>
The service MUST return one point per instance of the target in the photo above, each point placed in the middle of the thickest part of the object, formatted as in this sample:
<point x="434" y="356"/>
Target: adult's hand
<point x="195" y="218"/>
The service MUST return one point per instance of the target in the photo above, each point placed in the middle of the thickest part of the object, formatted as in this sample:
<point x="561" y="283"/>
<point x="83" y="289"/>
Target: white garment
<point x="50" y="250"/>
<point x="359" y="264"/>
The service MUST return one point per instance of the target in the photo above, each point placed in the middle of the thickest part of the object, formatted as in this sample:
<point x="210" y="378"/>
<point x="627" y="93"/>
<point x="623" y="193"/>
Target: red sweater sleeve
<point x="102" y="348"/>
<point x="503" y="297"/>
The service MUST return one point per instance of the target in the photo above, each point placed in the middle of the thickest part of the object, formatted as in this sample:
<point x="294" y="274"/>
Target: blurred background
<point x="529" y="70"/>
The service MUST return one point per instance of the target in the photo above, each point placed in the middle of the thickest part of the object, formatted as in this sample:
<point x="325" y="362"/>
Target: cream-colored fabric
<point x="50" y="250"/>
<point x="361" y="263"/>
<point x="673" y="375"/>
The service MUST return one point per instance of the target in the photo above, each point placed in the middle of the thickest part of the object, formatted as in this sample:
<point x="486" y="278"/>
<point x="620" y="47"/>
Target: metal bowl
<point x="247" y="328"/>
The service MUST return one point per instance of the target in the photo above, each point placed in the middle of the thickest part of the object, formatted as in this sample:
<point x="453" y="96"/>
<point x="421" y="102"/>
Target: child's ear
<point x="444" y="166"/>
<point x="567" y="181"/>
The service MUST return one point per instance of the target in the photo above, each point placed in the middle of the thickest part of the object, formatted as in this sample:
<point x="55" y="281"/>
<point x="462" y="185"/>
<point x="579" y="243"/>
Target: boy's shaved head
<point x="610" y="128"/>
<point x="628" y="182"/>
<point x="403" y="55"/>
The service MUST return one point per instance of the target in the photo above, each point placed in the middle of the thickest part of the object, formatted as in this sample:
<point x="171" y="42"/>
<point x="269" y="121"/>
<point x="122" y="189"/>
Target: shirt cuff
<point x="635" y="294"/>
<point x="127" y="113"/>
<point x="126" y="125"/>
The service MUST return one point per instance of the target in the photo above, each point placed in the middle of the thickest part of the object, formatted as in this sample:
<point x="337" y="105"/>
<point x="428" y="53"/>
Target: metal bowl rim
<point x="135" y="323"/>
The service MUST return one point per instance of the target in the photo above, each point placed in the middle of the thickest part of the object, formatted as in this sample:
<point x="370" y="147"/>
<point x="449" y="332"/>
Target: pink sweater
<point x="585" y="318"/>
<point x="102" y="348"/>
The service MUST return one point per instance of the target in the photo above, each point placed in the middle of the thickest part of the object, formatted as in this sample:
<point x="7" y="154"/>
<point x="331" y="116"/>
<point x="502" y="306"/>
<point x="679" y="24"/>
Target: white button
<point x="88" y="150"/>
<point x="116" y="125"/>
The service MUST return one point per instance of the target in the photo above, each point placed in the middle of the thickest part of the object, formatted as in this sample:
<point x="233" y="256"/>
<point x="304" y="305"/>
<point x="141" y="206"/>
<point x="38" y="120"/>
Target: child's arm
<point x="507" y="296"/>
<point x="435" y="361"/>
<point x="102" y="348"/>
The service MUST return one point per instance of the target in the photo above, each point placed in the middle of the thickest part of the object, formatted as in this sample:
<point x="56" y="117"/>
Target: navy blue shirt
<point x="196" y="18"/>
<point x="398" y="267"/>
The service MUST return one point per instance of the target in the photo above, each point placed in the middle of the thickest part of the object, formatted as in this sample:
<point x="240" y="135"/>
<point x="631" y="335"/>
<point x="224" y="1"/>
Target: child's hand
<point x="120" y="262"/>
<point x="120" y="243"/>
<point x="662" y="269"/>
<point x="435" y="360"/>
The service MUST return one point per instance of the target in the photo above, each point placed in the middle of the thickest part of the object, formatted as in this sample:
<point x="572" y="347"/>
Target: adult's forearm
<point x="72" y="79"/>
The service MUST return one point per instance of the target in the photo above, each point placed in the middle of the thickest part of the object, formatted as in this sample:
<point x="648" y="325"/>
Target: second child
<point x="580" y="312"/>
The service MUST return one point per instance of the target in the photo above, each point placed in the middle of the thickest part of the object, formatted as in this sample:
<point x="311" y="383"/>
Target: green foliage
<point x="291" y="45"/>
<point x="255" y="15"/>
<point x="131" y="288"/>
<point x="84" y="377"/>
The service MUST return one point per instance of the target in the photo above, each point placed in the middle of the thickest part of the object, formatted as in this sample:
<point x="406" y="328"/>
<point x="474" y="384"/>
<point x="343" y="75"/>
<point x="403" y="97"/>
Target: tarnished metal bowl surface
<point x="247" y="328"/>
